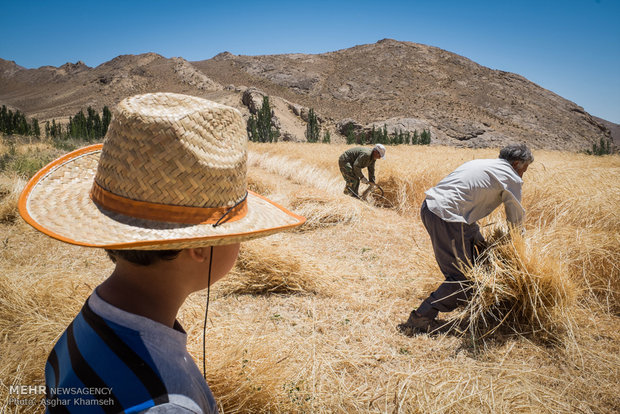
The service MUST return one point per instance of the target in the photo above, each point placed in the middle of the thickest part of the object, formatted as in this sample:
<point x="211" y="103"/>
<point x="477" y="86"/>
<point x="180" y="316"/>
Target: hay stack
<point x="264" y="267"/>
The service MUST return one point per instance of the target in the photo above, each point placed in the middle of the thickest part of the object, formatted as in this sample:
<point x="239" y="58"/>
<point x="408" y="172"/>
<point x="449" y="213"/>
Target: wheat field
<point x="306" y="321"/>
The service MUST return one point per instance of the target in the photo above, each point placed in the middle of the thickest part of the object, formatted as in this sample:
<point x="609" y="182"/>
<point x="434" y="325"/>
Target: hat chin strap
<point x="204" y="328"/>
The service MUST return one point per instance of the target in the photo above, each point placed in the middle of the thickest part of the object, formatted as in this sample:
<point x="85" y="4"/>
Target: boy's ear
<point x="199" y="254"/>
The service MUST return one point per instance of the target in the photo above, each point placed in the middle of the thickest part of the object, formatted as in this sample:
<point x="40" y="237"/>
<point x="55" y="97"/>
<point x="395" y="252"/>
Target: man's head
<point x="378" y="152"/>
<point x="518" y="155"/>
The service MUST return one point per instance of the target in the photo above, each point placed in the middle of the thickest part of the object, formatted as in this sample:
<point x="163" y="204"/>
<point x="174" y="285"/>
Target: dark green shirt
<point x="358" y="158"/>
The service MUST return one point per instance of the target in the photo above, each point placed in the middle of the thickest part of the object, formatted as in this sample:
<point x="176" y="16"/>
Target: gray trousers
<point x="454" y="245"/>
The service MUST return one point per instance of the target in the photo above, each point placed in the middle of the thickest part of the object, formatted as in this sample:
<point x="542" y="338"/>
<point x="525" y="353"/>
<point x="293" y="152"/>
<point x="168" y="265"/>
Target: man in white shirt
<point x="449" y="214"/>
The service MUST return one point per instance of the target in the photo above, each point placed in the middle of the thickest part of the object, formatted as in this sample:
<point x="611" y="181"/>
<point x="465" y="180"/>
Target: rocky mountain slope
<point x="403" y="85"/>
<point x="50" y="92"/>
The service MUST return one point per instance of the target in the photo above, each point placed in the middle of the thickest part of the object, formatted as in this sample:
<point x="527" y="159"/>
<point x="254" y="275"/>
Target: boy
<point x="166" y="196"/>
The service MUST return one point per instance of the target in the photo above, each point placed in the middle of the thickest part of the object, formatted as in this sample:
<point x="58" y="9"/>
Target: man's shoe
<point x="421" y="325"/>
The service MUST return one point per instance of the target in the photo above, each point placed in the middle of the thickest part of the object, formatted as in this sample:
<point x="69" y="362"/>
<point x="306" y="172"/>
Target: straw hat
<point x="171" y="174"/>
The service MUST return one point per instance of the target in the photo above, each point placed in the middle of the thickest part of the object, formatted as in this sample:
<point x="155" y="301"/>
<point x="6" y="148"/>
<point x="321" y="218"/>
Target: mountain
<point x="403" y="85"/>
<point x="59" y="92"/>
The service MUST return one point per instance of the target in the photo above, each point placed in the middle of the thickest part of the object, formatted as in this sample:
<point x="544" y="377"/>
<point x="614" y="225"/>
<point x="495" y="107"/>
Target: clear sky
<point x="571" y="47"/>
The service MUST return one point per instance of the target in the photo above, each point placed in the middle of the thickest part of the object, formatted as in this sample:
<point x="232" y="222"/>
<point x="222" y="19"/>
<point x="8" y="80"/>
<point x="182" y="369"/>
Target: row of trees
<point x="89" y="126"/>
<point x="15" y="123"/>
<point x="604" y="147"/>
<point x="381" y="136"/>
<point x="261" y="129"/>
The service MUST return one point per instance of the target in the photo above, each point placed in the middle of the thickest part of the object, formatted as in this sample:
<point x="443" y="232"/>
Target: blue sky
<point x="570" y="47"/>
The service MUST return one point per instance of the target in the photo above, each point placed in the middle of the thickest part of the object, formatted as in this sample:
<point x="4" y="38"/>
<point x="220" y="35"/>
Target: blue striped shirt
<point x="111" y="361"/>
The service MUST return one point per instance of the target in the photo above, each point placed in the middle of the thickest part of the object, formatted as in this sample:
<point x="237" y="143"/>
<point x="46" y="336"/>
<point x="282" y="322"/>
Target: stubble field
<point x="306" y="322"/>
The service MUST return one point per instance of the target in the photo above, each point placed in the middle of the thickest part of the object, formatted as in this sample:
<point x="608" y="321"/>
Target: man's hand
<point x="364" y="180"/>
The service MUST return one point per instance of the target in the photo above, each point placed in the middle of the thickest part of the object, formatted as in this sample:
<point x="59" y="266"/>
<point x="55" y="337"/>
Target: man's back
<point x="362" y="155"/>
<point x="475" y="189"/>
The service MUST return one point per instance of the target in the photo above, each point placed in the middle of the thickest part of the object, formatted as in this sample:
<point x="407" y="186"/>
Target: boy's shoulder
<point x="132" y="361"/>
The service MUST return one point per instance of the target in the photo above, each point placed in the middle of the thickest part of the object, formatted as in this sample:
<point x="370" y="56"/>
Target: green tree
<point x="384" y="139"/>
<point x="313" y="131"/>
<point x="406" y="137"/>
<point x="327" y="137"/>
<point x="4" y="115"/>
<point x="373" y="135"/>
<point x="416" y="137"/>
<point x="350" y="135"/>
<point x="425" y="138"/>
<point x="105" y="120"/>
<point x="36" y="130"/>
<point x="265" y="131"/>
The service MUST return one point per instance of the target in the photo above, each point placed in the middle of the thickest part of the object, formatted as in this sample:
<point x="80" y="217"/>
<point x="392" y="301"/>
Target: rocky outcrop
<point x="396" y="125"/>
<point x="345" y="125"/>
<point x="189" y="75"/>
<point x="253" y="99"/>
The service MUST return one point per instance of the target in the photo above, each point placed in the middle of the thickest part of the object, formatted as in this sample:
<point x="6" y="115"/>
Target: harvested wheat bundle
<point x="262" y="182"/>
<point x="10" y="189"/>
<point x="323" y="210"/>
<point x="404" y="193"/>
<point x="518" y="287"/>
<point x="264" y="266"/>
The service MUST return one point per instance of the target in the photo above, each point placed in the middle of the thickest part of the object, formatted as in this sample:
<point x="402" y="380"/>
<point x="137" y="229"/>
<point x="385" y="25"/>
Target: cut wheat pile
<point x="306" y="321"/>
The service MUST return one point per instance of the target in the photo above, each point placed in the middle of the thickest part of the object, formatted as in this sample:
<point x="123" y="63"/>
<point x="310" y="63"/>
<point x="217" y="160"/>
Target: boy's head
<point x="170" y="175"/>
<point x="142" y="257"/>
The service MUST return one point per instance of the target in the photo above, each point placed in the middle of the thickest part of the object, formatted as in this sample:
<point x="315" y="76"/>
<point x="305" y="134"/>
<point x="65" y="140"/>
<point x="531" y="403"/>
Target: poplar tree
<point x="313" y="131"/>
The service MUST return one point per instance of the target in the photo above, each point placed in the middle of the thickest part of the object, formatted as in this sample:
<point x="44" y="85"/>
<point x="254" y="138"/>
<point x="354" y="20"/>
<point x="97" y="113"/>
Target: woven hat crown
<point x="175" y="150"/>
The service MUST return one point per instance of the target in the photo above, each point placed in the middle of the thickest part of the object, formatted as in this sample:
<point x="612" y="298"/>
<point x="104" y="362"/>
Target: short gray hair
<point x="517" y="153"/>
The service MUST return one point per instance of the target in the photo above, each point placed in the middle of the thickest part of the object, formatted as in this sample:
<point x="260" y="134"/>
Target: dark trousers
<point x="455" y="245"/>
<point x="352" y="183"/>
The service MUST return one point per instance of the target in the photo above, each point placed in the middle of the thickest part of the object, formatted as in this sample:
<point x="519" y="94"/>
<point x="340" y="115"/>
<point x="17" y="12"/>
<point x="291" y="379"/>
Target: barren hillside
<point x="50" y="92"/>
<point x="463" y="102"/>
<point x="404" y="85"/>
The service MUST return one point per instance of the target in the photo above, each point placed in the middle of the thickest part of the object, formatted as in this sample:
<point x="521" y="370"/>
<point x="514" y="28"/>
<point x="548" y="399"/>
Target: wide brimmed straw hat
<point x="171" y="174"/>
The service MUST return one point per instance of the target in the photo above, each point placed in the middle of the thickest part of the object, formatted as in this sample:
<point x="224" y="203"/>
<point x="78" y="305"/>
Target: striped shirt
<point x="475" y="189"/>
<point x="111" y="361"/>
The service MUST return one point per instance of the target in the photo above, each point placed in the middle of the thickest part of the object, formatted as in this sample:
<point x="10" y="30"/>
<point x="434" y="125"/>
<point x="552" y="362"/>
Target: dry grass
<point x="306" y="321"/>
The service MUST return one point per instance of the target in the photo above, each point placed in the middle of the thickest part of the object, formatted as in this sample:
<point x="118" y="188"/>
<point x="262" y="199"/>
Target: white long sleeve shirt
<point x="475" y="189"/>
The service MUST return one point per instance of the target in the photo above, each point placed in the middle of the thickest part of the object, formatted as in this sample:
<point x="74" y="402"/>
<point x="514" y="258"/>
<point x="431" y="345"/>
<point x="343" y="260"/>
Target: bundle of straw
<point x="518" y="287"/>
<point x="264" y="266"/>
